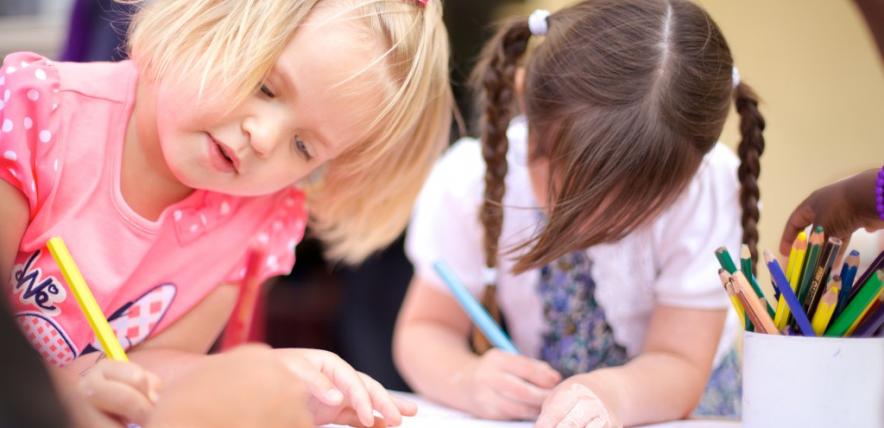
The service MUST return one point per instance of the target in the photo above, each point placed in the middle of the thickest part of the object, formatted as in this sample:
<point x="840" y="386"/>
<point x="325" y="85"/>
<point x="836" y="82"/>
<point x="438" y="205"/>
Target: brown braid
<point x="750" y="149"/>
<point x="495" y="76"/>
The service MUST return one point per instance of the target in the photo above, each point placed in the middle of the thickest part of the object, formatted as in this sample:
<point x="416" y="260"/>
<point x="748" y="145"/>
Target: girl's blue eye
<point x="302" y="148"/>
<point x="266" y="91"/>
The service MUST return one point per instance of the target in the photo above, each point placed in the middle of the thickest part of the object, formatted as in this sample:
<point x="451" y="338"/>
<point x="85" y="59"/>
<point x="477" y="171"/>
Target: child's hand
<point x="508" y="386"/>
<point x="246" y="387"/>
<point x="340" y="394"/>
<point x="120" y="390"/>
<point x="573" y="405"/>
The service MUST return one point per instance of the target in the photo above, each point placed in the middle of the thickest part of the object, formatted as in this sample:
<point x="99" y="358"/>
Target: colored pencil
<point x="796" y="262"/>
<point x="474" y="310"/>
<point x="813" y="256"/>
<point x="240" y="324"/>
<point x="873" y="321"/>
<point x="826" y="306"/>
<point x="862" y="315"/>
<point x="799" y="247"/>
<point x="725" y="260"/>
<point x="821" y="274"/>
<point x="77" y="284"/>
<point x="754" y="308"/>
<point x="727" y="263"/>
<point x="776" y="272"/>
<point x="746" y="266"/>
<point x="735" y="301"/>
<point x="856" y="307"/>
<point x="878" y="263"/>
<point x="848" y="274"/>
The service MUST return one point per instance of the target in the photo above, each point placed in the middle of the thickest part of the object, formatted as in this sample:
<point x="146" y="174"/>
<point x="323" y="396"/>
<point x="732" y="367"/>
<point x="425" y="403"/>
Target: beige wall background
<point x="816" y="68"/>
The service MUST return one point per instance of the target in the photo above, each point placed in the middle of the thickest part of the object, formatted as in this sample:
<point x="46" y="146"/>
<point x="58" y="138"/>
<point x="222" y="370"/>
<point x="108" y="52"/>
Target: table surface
<point x="432" y="415"/>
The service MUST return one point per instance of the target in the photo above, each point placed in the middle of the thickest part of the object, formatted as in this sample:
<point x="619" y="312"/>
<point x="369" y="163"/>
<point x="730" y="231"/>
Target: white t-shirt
<point x="669" y="261"/>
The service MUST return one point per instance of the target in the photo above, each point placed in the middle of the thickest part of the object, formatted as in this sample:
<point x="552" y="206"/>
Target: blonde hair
<point x="364" y="197"/>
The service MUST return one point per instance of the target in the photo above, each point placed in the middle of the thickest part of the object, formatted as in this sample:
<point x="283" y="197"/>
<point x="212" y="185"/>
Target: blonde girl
<point x="179" y="176"/>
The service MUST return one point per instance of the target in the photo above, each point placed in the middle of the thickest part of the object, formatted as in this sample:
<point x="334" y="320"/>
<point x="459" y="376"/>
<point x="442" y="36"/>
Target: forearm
<point x="168" y="364"/>
<point x="434" y="360"/>
<point x="653" y="387"/>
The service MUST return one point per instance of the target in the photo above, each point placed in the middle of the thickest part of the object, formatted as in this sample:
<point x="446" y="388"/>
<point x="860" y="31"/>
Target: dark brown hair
<point x="623" y="98"/>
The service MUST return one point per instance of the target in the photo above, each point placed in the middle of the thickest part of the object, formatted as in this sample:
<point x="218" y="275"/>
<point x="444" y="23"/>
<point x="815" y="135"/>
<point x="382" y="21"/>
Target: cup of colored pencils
<point x="813" y="353"/>
<point x="813" y="296"/>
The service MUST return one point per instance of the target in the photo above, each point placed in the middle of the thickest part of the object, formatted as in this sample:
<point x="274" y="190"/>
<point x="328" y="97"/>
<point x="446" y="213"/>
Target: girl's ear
<point x="520" y="88"/>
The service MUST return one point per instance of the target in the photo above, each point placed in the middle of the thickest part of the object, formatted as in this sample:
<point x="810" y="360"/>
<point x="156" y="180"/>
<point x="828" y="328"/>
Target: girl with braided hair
<point x="586" y="218"/>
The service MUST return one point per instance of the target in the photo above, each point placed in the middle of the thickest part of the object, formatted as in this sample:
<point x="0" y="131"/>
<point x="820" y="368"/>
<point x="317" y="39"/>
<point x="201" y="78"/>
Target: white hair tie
<point x="489" y="275"/>
<point x="538" y="23"/>
<point x="735" y="76"/>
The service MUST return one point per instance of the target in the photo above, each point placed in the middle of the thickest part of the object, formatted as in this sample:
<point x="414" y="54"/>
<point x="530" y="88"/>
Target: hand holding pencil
<point x="502" y="383"/>
<point x="116" y="390"/>
<point x="114" y="387"/>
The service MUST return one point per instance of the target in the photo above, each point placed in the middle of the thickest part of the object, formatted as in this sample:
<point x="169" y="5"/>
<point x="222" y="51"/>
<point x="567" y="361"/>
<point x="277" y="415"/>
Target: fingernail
<point x="334" y="395"/>
<point x="154" y="397"/>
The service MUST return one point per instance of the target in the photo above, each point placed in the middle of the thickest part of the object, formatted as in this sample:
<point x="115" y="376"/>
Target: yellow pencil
<point x="826" y="306"/>
<point x="793" y="273"/>
<point x="735" y="301"/>
<point x="86" y="300"/>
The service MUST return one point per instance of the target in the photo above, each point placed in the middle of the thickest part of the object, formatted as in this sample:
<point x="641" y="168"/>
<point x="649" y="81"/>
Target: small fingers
<point x="584" y="413"/>
<point x="555" y="410"/>
<point x="518" y="389"/>
<point x="350" y="418"/>
<point x="347" y="380"/>
<point x="382" y="401"/>
<point x="130" y="374"/>
<point x="406" y="407"/>
<point x="317" y="383"/>
<point x="116" y="398"/>
<point x="511" y="409"/>
<point x="537" y="372"/>
<point x="599" y="423"/>
<point x="802" y="217"/>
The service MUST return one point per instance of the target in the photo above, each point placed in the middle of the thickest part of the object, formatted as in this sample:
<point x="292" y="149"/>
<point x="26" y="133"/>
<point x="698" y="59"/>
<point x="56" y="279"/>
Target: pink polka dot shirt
<point x="62" y="128"/>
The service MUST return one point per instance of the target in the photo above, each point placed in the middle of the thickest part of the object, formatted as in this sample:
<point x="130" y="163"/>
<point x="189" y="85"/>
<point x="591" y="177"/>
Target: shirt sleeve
<point x="705" y="217"/>
<point x="272" y="249"/>
<point x="445" y="225"/>
<point x="28" y="125"/>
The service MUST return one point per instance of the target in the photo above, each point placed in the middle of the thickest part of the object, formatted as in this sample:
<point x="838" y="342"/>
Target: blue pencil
<point x="848" y="274"/>
<point x="782" y="283"/>
<point x="474" y="310"/>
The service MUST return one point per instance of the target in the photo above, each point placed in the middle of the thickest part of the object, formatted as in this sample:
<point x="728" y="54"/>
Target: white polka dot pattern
<point x="28" y="86"/>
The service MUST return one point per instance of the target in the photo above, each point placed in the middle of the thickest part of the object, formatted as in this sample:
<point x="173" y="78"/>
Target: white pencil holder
<point x="797" y="381"/>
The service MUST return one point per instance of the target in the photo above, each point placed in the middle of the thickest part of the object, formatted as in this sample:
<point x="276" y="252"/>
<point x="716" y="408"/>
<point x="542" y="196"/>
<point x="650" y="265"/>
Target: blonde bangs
<point x="366" y="196"/>
<point x="228" y="45"/>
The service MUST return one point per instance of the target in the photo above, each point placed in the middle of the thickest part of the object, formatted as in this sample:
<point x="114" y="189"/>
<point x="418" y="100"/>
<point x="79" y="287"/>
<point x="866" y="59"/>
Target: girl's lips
<point x="222" y="158"/>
